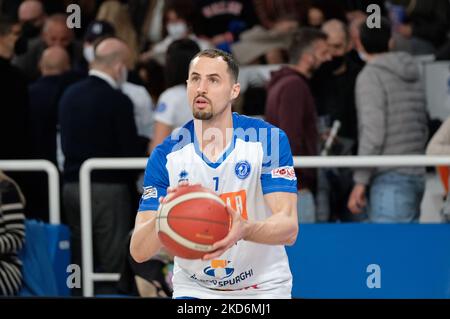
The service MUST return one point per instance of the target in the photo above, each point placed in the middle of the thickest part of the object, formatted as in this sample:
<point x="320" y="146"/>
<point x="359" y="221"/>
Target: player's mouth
<point x="201" y="102"/>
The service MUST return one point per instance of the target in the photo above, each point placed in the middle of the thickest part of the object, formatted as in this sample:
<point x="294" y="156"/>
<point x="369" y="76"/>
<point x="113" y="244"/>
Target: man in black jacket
<point x="97" y="120"/>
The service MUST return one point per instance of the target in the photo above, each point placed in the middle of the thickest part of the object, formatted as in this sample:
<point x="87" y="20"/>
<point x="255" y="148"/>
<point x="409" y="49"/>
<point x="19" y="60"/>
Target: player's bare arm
<point x="279" y="229"/>
<point x="144" y="241"/>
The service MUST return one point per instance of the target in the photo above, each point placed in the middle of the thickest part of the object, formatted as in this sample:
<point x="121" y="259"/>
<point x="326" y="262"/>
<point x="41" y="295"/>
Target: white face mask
<point x="88" y="53"/>
<point x="177" y="30"/>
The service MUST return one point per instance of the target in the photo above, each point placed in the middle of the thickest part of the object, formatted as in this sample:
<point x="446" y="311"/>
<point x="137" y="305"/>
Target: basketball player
<point x="248" y="163"/>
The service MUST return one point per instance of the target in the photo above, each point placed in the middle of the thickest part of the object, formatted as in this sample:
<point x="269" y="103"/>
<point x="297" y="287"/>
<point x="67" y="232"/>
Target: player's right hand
<point x="171" y="190"/>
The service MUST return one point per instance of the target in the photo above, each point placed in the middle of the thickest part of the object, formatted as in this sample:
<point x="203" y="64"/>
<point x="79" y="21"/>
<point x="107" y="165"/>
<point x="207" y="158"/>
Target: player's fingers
<point x="183" y="183"/>
<point x="214" y="254"/>
<point x="230" y="210"/>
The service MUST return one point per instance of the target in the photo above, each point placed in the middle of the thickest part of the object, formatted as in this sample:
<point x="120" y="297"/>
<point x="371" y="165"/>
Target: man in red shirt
<point x="290" y="106"/>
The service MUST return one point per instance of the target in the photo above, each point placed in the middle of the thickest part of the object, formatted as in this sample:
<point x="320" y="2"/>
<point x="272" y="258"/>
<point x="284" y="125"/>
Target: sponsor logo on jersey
<point x="242" y="169"/>
<point x="150" y="192"/>
<point x="219" y="269"/>
<point x="237" y="201"/>
<point x="286" y="172"/>
<point x="226" y="282"/>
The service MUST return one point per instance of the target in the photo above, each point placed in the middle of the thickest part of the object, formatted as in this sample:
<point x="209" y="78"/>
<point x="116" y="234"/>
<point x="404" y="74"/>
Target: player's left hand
<point x="239" y="228"/>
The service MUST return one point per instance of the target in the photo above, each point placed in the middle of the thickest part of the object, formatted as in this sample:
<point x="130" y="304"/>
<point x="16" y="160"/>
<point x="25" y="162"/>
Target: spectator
<point x="392" y="119"/>
<point x="353" y="28"/>
<point x="147" y="19"/>
<point x="262" y="46"/>
<point x="440" y="145"/>
<point x="32" y="16"/>
<point x="142" y="110"/>
<point x="54" y="32"/>
<point x="44" y="97"/>
<point x="333" y="87"/>
<point x="116" y="13"/>
<point x="96" y="31"/>
<point x="420" y="26"/>
<point x="142" y="103"/>
<point x="97" y="121"/>
<point x="177" y="18"/>
<point x="323" y="10"/>
<point x="151" y="74"/>
<point x="334" y="83"/>
<point x="12" y="235"/>
<point x="173" y="110"/>
<point x="290" y="106"/>
<point x="14" y="106"/>
<point x="221" y="21"/>
<point x="272" y="14"/>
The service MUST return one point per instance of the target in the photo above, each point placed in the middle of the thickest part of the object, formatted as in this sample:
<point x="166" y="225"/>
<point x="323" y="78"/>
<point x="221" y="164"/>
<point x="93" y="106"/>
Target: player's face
<point x="210" y="87"/>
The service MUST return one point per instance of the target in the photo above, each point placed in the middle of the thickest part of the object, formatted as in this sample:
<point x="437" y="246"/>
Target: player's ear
<point x="235" y="91"/>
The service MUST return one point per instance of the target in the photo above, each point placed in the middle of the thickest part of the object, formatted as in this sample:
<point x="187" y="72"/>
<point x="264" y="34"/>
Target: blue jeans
<point x="306" y="207"/>
<point x="396" y="198"/>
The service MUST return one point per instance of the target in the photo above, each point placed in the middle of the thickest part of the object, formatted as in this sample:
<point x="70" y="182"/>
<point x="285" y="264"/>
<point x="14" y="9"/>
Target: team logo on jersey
<point x="183" y="176"/>
<point x="150" y="192"/>
<point x="161" y="107"/>
<point x="219" y="269"/>
<point x="242" y="169"/>
<point x="286" y="172"/>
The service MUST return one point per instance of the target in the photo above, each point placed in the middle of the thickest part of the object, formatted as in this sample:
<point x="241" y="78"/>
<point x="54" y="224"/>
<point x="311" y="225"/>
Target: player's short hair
<point x="233" y="66"/>
<point x="302" y="41"/>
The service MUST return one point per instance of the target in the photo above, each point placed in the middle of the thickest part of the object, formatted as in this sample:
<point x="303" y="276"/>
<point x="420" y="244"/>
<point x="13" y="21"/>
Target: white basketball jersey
<point x="257" y="162"/>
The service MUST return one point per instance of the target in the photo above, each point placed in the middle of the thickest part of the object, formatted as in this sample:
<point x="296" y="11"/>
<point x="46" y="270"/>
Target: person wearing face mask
<point x="178" y="25"/>
<point x="333" y="87"/>
<point x="97" y="120"/>
<point x="96" y="31"/>
<point x="32" y="17"/>
<point x="290" y="106"/>
<point x="54" y="33"/>
<point x="142" y="103"/>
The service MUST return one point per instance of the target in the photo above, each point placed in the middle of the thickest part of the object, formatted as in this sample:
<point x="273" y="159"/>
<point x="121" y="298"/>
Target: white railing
<point x="89" y="277"/>
<point x="86" y="215"/>
<point x="53" y="181"/>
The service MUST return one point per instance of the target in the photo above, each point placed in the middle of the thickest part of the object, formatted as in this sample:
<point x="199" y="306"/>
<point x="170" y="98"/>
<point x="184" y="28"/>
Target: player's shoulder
<point x="264" y="130"/>
<point x="178" y="139"/>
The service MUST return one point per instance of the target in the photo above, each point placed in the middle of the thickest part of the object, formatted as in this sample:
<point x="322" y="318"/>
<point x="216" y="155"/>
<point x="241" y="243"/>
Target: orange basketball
<point x="191" y="221"/>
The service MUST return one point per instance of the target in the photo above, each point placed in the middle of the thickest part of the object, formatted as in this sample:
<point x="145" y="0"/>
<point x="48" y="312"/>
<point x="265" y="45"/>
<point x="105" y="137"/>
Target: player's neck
<point x="214" y="135"/>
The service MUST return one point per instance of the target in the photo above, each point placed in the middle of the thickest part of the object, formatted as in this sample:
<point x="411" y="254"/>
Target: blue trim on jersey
<point x="156" y="174"/>
<point x="224" y="155"/>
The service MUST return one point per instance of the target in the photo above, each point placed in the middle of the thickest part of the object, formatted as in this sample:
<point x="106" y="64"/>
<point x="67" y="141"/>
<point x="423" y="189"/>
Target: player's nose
<point x="202" y="87"/>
